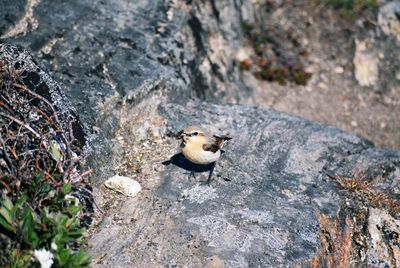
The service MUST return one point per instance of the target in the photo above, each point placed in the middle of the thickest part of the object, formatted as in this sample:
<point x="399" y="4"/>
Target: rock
<point x="365" y="64"/>
<point x="263" y="206"/>
<point x="123" y="185"/>
<point x="64" y="138"/>
<point x="40" y="82"/>
<point x="389" y="20"/>
<point x="244" y="53"/>
<point x="383" y="227"/>
<point x="143" y="77"/>
<point x="338" y="70"/>
<point x="10" y="14"/>
<point x="37" y="80"/>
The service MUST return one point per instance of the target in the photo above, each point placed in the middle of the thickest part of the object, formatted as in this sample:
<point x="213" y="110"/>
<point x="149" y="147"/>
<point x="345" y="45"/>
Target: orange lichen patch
<point x="245" y="64"/>
<point x="336" y="243"/>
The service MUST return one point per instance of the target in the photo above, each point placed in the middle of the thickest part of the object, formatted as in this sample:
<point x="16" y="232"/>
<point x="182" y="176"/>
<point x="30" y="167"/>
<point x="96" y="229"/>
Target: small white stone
<point x="322" y="85"/>
<point x="170" y="14"/>
<point x="398" y="75"/>
<point x="3" y="163"/>
<point x="123" y="185"/>
<point x="339" y="70"/>
<point x="244" y="53"/>
<point x="366" y="64"/>
<point x="354" y="123"/>
<point x="96" y="129"/>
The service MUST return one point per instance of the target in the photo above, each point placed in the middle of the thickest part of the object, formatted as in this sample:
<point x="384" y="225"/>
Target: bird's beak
<point x="179" y="135"/>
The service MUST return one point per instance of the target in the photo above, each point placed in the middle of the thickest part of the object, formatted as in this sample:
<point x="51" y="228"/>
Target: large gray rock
<point x="101" y="50"/>
<point x="268" y="204"/>
<point x="133" y="70"/>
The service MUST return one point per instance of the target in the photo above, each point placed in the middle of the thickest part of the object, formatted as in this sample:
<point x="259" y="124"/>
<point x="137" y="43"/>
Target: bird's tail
<point x="220" y="140"/>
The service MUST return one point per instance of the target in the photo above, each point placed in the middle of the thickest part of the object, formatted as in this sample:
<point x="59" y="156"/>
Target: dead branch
<point x="21" y="124"/>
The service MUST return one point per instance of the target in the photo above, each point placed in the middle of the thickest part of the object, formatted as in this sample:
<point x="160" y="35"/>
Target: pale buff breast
<point x="195" y="153"/>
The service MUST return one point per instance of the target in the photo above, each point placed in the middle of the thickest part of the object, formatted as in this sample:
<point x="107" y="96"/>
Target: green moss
<point x="300" y="77"/>
<point x="353" y="4"/>
<point x="351" y="9"/>
<point x="277" y="74"/>
<point x="282" y="74"/>
<point x="246" y="27"/>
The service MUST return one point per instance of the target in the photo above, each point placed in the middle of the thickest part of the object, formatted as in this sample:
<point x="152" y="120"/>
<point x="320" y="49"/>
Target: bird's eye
<point x="195" y="133"/>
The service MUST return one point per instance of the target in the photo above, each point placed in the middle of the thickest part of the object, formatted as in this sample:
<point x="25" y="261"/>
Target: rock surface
<point x="264" y="206"/>
<point x="90" y="46"/>
<point x="287" y="191"/>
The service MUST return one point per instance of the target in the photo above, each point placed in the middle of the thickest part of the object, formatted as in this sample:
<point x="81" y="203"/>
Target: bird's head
<point x="193" y="135"/>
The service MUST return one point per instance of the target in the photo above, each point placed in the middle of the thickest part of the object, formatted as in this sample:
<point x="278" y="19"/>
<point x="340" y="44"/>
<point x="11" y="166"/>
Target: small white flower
<point x="45" y="257"/>
<point x="54" y="246"/>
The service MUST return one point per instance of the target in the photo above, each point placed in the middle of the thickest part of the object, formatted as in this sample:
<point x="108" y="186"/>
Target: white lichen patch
<point x="27" y="23"/>
<point x="256" y="216"/>
<point x="222" y="234"/>
<point x="199" y="194"/>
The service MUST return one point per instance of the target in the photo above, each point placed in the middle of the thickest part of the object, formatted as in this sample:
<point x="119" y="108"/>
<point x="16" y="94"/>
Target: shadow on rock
<point x="179" y="160"/>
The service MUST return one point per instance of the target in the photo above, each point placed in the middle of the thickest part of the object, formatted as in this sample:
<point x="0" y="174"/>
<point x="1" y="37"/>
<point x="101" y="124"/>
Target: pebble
<point x="124" y="185"/>
<point x="365" y="64"/>
<point x="398" y="75"/>
<point x="339" y="70"/>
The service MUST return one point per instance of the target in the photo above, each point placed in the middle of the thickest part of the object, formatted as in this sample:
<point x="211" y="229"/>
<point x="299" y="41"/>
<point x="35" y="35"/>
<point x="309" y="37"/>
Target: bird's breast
<point x="197" y="155"/>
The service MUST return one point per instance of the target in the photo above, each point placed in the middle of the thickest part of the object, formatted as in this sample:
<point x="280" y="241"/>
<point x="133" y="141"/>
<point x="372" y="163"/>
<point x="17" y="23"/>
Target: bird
<point x="200" y="147"/>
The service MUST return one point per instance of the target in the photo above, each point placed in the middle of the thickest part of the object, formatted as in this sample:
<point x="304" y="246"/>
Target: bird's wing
<point x="219" y="140"/>
<point x="215" y="143"/>
<point x="210" y="147"/>
<point x="224" y="137"/>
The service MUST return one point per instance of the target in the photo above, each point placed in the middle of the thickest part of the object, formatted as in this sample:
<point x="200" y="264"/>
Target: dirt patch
<point x="333" y="95"/>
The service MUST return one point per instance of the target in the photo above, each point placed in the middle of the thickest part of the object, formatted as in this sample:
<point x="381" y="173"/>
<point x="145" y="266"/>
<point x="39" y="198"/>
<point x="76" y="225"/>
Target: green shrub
<point x="50" y="222"/>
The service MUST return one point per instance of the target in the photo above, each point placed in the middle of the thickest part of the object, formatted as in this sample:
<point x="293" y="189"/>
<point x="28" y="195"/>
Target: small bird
<point x="200" y="147"/>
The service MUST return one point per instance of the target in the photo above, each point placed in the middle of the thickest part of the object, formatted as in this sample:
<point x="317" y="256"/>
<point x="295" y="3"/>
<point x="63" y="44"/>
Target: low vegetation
<point x="352" y="9"/>
<point x="267" y="65"/>
<point x="40" y="212"/>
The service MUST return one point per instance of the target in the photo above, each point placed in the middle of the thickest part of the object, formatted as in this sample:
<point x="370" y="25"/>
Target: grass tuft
<point x="358" y="187"/>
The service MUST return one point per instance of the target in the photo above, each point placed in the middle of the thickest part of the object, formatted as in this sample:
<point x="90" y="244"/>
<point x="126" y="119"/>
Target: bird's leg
<point x="210" y="175"/>
<point x="192" y="174"/>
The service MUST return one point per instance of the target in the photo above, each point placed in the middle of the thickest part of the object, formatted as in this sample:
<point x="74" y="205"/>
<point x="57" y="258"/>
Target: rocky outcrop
<point x="286" y="192"/>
